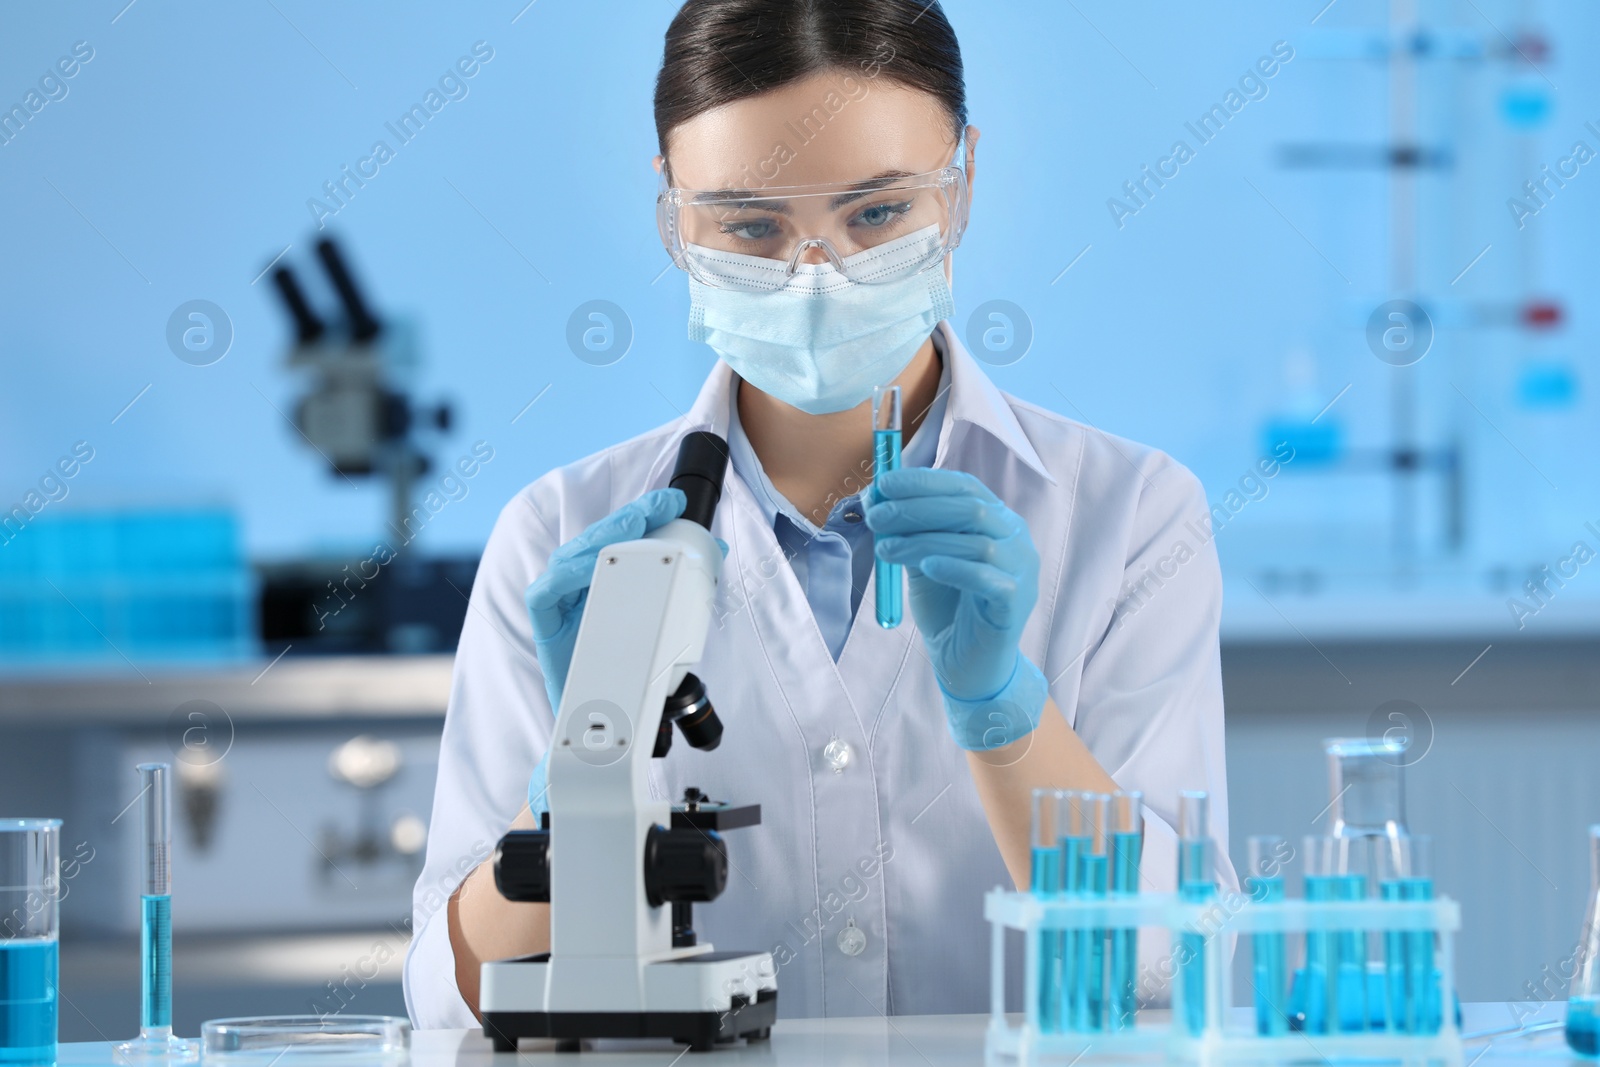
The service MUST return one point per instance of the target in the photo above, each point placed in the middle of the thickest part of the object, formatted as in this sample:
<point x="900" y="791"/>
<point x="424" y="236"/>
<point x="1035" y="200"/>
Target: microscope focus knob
<point x="522" y="866"/>
<point x="684" y="864"/>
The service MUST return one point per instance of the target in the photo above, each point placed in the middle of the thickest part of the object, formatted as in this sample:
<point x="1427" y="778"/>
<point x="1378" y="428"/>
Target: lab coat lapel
<point x="875" y="660"/>
<point x="762" y="583"/>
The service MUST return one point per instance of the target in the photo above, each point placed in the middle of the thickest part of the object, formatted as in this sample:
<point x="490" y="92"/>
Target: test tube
<point x="1046" y="881"/>
<point x="886" y="457"/>
<point x="1195" y="885"/>
<point x="1336" y="960"/>
<point x="1126" y="821"/>
<point x="1089" y="986"/>
<point x="1583" y="998"/>
<point x="1264" y="883"/>
<point x="1411" y="992"/>
<point x="155" y="1040"/>
<point x="1072" y="842"/>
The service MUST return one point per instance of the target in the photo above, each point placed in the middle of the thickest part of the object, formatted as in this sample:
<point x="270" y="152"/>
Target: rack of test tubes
<point x="1370" y="971"/>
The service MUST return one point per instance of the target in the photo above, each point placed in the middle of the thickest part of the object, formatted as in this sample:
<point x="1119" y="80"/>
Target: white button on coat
<point x="1125" y="629"/>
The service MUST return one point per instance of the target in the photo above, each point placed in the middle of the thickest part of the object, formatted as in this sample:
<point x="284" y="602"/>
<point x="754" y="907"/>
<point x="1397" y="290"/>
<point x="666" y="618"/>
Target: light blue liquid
<point x="1046" y="881"/>
<point x="155" y="961"/>
<point x="1091" y="1003"/>
<point x="890" y="601"/>
<point x="1123" y="1005"/>
<point x="1331" y="994"/>
<point x="29" y="970"/>
<point x="1411" y="992"/>
<point x="1194" y="887"/>
<point x="1583" y="1025"/>
<point x="1073" y="849"/>
<point x="1269" y="961"/>
<point x="1351" y="985"/>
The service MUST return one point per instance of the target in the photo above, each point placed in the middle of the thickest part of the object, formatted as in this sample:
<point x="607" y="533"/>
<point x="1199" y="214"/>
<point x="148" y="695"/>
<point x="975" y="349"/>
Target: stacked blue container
<point x="151" y="584"/>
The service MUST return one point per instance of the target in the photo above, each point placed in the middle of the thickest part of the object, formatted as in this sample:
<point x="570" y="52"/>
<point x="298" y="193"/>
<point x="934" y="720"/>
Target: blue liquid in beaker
<point x="1583" y="1025"/>
<point x="28" y="974"/>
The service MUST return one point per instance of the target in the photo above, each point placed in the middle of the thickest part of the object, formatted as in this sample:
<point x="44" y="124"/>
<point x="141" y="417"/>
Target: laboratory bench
<point x="288" y="689"/>
<point x="1506" y="728"/>
<point x="903" y="1040"/>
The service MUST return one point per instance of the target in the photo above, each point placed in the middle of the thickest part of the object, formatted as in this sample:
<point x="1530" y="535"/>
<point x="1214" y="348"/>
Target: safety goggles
<point x="872" y="232"/>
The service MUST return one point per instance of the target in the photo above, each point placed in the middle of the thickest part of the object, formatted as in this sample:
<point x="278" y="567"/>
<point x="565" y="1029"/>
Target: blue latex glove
<point x="555" y="599"/>
<point x="974" y="577"/>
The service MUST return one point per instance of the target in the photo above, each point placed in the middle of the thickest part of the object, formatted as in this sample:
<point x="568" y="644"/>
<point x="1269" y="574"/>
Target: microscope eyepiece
<point x="307" y="326"/>
<point x="702" y="461"/>
<point x="363" y="326"/>
<point x="691" y="709"/>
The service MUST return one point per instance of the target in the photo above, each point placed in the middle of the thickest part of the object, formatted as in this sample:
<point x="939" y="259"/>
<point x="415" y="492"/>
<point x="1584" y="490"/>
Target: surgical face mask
<point x="821" y="342"/>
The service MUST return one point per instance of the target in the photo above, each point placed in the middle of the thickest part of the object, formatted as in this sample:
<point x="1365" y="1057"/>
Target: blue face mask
<point x="822" y="342"/>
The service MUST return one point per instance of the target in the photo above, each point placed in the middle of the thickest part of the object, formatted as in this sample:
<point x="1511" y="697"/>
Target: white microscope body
<point x="617" y="866"/>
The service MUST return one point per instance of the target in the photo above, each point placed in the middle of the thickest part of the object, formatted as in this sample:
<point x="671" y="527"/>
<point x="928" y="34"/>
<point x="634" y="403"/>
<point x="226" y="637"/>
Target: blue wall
<point x="181" y="159"/>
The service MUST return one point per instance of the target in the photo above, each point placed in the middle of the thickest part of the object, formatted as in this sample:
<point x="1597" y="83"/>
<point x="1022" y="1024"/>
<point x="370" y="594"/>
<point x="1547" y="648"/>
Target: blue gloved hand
<point x="555" y="599"/>
<point x="974" y="577"/>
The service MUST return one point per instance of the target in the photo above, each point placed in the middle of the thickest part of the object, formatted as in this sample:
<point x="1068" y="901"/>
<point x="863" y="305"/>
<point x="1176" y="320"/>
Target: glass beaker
<point x="1583" y="1002"/>
<point x="30" y="894"/>
<point x="1366" y="780"/>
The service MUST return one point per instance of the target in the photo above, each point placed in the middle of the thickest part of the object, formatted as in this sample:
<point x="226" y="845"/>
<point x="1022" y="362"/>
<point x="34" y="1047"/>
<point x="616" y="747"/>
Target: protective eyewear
<point x="874" y="231"/>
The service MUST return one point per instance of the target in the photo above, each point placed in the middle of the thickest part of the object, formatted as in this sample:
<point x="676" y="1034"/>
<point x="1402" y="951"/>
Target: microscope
<point x="357" y="411"/>
<point x="620" y="870"/>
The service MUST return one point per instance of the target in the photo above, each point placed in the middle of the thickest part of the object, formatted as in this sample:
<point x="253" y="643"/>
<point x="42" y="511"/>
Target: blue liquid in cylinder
<point x="1123" y="1002"/>
<point x="1269" y="964"/>
<point x="1192" y="964"/>
<point x="28" y="976"/>
<point x="1073" y="850"/>
<point x="155" y="960"/>
<point x="1090" y="1004"/>
<point x="1583" y="1025"/>
<point x="1330" y="995"/>
<point x="890" y="601"/>
<point x="1046" y="881"/>
<point x="1411" y="990"/>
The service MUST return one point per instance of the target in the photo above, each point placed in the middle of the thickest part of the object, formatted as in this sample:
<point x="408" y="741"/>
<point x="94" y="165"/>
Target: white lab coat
<point x="897" y="840"/>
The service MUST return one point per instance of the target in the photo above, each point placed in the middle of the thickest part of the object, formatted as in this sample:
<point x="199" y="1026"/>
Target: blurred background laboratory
<point x="297" y="296"/>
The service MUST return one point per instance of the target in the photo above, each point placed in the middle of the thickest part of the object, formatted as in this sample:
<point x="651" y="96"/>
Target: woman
<point x="816" y="165"/>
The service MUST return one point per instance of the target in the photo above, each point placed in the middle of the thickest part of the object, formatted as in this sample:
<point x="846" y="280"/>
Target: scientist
<point x="816" y="168"/>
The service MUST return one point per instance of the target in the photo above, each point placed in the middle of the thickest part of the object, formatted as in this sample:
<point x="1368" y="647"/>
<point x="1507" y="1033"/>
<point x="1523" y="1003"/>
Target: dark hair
<point x="720" y="51"/>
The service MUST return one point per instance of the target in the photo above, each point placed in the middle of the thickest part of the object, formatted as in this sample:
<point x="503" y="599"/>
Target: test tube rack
<point x="1228" y="1036"/>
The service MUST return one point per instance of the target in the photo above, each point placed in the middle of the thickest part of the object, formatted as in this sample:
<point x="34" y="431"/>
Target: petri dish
<point x="262" y="1039"/>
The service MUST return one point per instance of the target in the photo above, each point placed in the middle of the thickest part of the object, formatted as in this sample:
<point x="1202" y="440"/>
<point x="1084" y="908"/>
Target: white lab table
<point x="897" y="1041"/>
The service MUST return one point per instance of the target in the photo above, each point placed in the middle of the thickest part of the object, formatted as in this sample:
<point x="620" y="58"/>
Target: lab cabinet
<point x="271" y="837"/>
<point x="302" y="789"/>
